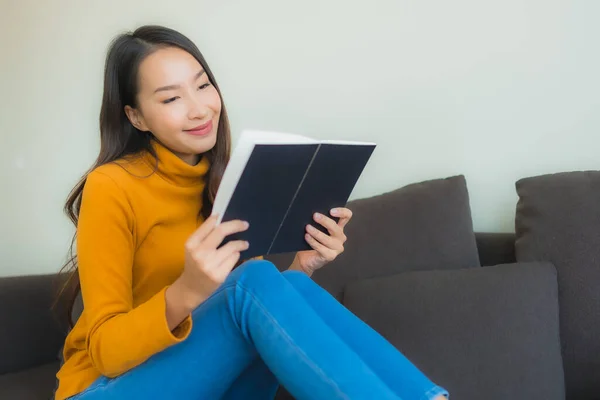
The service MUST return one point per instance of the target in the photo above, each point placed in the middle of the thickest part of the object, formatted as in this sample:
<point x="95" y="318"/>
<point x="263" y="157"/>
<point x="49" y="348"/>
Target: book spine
<point x="294" y="198"/>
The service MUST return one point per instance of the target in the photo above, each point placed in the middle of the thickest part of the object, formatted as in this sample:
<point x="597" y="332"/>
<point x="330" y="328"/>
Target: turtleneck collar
<point x="177" y="171"/>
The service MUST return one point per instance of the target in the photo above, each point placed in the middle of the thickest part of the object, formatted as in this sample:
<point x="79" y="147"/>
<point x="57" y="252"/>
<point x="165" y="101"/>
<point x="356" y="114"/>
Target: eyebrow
<point x="172" y="87"/>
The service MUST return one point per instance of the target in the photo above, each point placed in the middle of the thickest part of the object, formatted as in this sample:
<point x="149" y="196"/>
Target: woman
<point x="164" y="314"/>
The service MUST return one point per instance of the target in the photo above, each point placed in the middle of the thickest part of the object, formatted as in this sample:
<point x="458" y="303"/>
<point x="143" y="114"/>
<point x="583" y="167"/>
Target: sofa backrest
<point x="495" y="248"/>
<point x="30" y="334"/>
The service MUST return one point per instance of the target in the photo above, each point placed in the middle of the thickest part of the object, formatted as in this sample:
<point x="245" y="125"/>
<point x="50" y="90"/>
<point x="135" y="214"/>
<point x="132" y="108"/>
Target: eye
<point x="172" y="99"/>
<point x="204" y="86"/>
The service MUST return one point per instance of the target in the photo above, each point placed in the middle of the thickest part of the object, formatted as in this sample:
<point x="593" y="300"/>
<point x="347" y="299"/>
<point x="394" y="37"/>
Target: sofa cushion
<point x="32" y="384"/>
<point x="30" y="334"/>
<point x="558" y="220"/>
<point x="421" y="226"/>
<point x="482" y="333"/>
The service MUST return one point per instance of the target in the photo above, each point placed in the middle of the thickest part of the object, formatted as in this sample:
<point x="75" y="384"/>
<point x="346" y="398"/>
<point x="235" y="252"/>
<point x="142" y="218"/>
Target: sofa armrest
<point x="30" y="334"/>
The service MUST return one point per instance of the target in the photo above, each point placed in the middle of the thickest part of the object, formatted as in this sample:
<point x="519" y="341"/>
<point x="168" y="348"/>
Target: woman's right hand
<point x="206" y="266"/>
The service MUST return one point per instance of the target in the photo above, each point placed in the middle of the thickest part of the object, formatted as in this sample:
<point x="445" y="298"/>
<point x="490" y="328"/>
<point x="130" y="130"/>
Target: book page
<point x="267" y="137"/>
<point x="232" y="175"/>
<point x="348" y="142"/>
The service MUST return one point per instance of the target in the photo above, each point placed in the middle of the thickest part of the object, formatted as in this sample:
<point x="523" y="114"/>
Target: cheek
<point x="214" y="101"/>
<point x="167" y="118"/>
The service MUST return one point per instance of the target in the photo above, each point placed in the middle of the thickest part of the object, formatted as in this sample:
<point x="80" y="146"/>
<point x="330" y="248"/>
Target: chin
<point x="200" y="145"/>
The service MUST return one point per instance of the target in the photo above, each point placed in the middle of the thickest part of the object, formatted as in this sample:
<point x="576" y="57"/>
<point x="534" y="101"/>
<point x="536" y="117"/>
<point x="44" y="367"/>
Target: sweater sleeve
<point x="119" y="336"/>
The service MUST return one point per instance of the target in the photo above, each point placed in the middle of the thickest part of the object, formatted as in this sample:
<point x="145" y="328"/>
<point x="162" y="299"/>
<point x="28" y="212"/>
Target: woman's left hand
<point x="325" y="247"/>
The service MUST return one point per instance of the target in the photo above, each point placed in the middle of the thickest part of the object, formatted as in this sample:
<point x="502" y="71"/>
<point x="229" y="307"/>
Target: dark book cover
<point x="264" y="192"/>
<point x="283" y="185"/>
<point x="329" y="182"/>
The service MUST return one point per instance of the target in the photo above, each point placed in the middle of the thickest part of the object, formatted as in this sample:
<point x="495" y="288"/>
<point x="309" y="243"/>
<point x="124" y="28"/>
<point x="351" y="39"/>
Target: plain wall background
<point x="494" y="90"/>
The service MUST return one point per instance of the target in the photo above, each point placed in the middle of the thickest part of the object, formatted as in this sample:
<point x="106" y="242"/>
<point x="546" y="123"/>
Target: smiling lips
<point x="201" y="130"/>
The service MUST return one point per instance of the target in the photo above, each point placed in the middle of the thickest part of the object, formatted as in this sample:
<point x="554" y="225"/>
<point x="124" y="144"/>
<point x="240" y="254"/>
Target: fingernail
<point x="246" y="224"/>
<point x="307" y="236"/>
<point x="334" y="211"/>
<point x="317" y="216"/>
<point x="247" y="244"/>
<point x="309" y="227"/>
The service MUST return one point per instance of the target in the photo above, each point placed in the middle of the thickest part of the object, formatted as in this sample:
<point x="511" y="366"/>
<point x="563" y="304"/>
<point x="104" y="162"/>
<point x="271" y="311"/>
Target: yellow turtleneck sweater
<point x="132" y="228"/>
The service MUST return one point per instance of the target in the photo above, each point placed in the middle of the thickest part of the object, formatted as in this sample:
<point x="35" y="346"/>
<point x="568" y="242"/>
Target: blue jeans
<point x="263" y="328"/>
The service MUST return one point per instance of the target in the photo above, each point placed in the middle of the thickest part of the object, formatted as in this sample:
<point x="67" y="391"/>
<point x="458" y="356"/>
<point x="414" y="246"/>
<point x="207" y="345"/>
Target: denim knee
<point x="255" y="274"/>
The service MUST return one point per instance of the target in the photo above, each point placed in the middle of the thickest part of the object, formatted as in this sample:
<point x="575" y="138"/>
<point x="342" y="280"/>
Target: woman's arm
<point x="120" y="336"/>
<point x="180" y="304"/>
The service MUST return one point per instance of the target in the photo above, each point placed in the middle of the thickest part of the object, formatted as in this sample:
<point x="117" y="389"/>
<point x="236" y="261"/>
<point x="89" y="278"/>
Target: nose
<point x="197" y="108"/>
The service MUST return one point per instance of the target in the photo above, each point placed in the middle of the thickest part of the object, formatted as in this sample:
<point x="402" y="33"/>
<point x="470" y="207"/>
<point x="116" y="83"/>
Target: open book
<point x="277" y="181"/>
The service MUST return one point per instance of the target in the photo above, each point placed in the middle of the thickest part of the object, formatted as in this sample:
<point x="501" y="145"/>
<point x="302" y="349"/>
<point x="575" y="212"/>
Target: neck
<point x="190" y="159"/>
<point x="180" y="169"/>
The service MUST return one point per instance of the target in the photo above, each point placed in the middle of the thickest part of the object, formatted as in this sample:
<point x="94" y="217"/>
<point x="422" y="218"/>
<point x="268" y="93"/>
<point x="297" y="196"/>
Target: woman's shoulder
<point x="123" y="173"/>
<point x="119" y="182"/>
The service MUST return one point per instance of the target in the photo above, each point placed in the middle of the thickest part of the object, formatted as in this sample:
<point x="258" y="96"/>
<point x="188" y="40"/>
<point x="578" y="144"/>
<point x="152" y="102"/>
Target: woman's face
<point x="177" y="103"/>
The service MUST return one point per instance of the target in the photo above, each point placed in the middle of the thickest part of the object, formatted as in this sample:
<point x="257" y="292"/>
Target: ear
<point x="136" y="118"/>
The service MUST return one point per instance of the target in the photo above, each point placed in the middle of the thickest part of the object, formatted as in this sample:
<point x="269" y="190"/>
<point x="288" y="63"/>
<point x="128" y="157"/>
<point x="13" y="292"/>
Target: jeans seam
<point x="212" y="296"/>
<point x="87" y="391"/>
<point x="298" y="349"/>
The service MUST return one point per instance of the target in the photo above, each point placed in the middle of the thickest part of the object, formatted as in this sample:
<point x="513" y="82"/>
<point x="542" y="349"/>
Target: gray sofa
<point x="30" y="335"/>
<point x="477" y="312"/>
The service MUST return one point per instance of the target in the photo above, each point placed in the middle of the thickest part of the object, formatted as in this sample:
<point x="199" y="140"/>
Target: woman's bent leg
<point x="383" y="358"/>
<point x="256" y="312"/>
<point x="202" y="367"/>
<point x="256" y="382"/>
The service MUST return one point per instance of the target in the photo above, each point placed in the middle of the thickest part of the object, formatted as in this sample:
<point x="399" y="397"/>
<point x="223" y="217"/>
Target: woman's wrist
<point x="295" y="266"/>
<point x="180" y="303"/>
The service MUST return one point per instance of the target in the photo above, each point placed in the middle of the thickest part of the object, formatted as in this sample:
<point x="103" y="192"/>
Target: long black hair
<point x="119" y="138"/>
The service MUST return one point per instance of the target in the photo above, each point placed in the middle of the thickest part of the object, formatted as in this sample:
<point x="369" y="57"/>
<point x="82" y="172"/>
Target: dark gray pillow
<point x="558" y="220"/>
<point x="482" y="333"/>
<point x="422" y="226"/>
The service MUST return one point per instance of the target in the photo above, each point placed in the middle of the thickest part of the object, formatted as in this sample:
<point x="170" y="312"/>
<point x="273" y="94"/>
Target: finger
<point x="224" y="268"/>
<point x="218" y="234"/>
<point x="325" y="240"/>
<point x="201" y="257"/>
<point x="331" y="226"/>
<point x="323" y="251"/>
<point x="344" y="214"/>
<point x="235" y="246"/>
<point x="202" y="232"/>
<point x="230" y="262"/>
